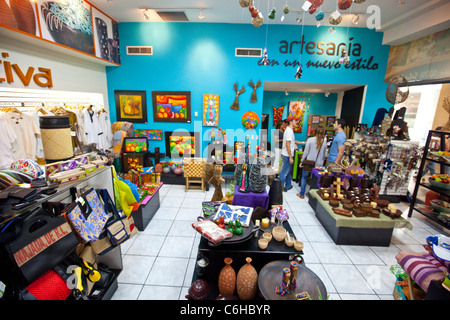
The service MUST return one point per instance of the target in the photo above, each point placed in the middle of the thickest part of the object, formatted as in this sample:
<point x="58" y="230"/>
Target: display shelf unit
<point x="442" y="135"/>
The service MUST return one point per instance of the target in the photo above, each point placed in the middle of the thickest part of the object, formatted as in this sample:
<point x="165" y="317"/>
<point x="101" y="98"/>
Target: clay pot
<point x="199" y="290"/>
<point x="227" y="279"/>
<point x="247" y="281"/>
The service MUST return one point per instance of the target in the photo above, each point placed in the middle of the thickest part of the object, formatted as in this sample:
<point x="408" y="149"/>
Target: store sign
<point x="330" y="50"/>
<point x="42" y="78"/>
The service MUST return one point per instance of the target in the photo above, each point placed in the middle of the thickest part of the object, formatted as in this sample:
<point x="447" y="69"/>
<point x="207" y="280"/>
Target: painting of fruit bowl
<point x="131" y="106"/>
<point x="441" y="181"/>
<point x="68" y="23"/>
<point x="171" y="106"/>
<point x="180" y="145"/>
<point x="136" y="144"/>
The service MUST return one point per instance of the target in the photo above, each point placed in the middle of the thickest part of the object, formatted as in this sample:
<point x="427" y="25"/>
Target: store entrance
<point x="351" y="106"/>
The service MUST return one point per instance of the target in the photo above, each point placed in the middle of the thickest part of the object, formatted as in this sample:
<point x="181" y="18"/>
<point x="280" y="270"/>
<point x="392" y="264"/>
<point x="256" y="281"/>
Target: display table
<point x="315" y="178"/>
<point x="250" y="199"/>
<point x="307" y="281"/>
<point x="239" y="252"/>
<point x="146" y="210"/>
<point x="353" y="230"/>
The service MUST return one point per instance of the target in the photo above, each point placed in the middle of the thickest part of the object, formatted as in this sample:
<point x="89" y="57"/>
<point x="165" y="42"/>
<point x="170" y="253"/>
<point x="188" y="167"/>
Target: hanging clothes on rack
<point x="26" y="131"/>
<point x="91" y="126"/>
<point x="105" y="134"/>
<point x="6" y="144"/>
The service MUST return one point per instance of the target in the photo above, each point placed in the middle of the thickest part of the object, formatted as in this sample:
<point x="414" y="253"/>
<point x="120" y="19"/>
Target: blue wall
<point x="200" y="58"/>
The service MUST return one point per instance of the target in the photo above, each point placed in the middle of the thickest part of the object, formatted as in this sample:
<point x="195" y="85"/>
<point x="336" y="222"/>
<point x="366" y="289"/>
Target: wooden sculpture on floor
<point x="235" y="105"/>
<point x="213" y="175"/>
<point x="255" y="86"/>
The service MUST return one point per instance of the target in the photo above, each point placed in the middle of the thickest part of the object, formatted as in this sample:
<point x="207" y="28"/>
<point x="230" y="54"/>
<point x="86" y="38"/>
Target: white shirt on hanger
<point x="91" y="127"/>
<point x="26" y="130"/>
<point x="6" y="144"/>
<point x="105" y="134"/>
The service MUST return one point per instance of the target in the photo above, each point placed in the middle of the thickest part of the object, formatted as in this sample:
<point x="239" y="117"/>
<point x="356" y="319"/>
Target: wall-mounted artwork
<point x="250" y="120"/>
<point x="182" y="144"/>
<point x="20" y="15"/>
<point x="315" y="120"/>
<point x="106" y="35"/>
<point x="277" y="115"/>
<point x="68" y="23"/>
<point x="210" y="110"/>
<point x="131" y="106"/>
<point x="330" y="121"/>
<point x="171" y="106"/>
<point x="296" y="109"/>
<point x="150" y="134"/>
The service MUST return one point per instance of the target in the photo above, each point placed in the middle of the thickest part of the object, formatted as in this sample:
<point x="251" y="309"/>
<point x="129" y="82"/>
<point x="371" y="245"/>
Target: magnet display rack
<point x="442" y="165"/>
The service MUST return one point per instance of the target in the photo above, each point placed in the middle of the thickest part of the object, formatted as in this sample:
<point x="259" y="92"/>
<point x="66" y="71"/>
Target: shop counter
<point x="315" y="178"/>
<point x="147" y="209"/>
<point x="368" y="231"/>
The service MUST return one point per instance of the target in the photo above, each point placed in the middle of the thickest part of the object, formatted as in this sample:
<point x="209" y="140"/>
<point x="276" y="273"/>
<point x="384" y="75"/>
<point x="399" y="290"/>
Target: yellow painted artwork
<point x="131" y="106"/>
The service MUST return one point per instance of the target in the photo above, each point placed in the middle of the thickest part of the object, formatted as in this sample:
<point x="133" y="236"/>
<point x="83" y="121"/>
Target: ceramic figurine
<point x="243" y="183"/>
<point x="283" y="287"/>
<point x="293" y="278"/>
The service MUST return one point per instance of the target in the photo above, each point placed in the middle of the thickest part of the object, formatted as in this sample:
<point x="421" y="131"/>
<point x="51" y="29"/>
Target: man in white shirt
<point x="287" y="153"/>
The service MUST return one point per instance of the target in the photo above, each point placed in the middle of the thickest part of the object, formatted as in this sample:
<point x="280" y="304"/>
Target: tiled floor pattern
<point x="158" y="263"/>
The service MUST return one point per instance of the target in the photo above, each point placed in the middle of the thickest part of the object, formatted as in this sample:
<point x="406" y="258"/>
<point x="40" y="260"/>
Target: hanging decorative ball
<point x="359" y="1"/>
<point x="316" y="3"/>
<point x="286" y="9"/>
<point x="298" y="74"/>
<point x="319" y="16"/>
<point x="253" y="11"/>
<point x="344" y="4"/>
<point x="335" y="22"/>
<point x="245" y="3"/>
<point x="272" y="14"/>
<point x="344" y="59"/>
<point x="258" y="20"/>
<point x="312" y="9"/>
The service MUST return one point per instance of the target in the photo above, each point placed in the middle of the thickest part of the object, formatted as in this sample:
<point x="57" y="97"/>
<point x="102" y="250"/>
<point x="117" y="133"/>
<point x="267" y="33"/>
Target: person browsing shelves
<point x="337" y="147"/>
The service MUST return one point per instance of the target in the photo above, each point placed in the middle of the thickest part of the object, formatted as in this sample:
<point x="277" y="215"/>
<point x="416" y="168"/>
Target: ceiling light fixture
<point x="355" y="19"/>
<point x="147" y="13"/>
<point x="201" y="15"/>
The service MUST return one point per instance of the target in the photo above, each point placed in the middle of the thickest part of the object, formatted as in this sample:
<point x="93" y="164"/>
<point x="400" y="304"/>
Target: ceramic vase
<point x="247" y="281"/>
<point x="227" y="279"/>
<point x="275" y="193"/>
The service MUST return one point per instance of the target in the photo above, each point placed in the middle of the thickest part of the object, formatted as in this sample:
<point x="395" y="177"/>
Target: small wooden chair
<point x="194" y="173"/>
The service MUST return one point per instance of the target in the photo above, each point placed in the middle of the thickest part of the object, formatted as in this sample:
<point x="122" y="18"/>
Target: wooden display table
<point x="307" y="281"/>
<point x="367" y="231"/>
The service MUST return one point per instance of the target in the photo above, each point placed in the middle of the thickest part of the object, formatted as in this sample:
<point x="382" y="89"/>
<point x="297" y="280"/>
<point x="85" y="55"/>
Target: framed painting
<point x="171" y="106"/>
<point x="330" y="121"/>
<point x="297" y="109"/>
<point x="131" y="106"/>
<point x="315" y="119"/>
<point x="182" y="144"/>
<point x="150" y="134"/>
<point x="210" y="110"/>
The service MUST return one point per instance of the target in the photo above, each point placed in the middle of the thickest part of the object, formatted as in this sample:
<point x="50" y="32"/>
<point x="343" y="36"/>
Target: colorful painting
<point x="210" y="110"/>
<point x="180" y="144"/>
<point x="20" y="16"/>
<point x="171" y="106"/>
<point x="277" y="115"/>
<point x="315" y="119"/>
<point x="250" y="120"/>
<point x="330" y="121"/>
<point x="150" y="134"/>
<point x="131" y="106"/>
<point x="136" y="144"/>
<point x="296" y="109"/>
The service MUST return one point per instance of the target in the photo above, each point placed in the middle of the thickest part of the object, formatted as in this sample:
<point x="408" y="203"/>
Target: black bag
<point x="308" y="165"/>
<point x="33" y="245"/>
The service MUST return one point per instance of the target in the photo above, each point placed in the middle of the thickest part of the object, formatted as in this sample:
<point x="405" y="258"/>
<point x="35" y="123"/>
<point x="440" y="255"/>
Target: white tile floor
<point x="158" y="263"/>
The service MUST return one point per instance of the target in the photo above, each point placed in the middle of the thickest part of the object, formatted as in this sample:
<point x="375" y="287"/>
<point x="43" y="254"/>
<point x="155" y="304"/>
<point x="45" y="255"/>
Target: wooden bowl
<point x="263" y="243"/>
<point x="267" y="236"/>
<point x="289" y="241"/>
<point x="298" y="245"/>
<point x="279" y="233"/>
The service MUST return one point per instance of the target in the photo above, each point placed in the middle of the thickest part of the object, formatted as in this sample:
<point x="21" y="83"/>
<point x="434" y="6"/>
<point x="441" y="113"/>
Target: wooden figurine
<point x="243" y="181"/>
<point x="375" y="192"/>
<point x="325" y="180"/>
<point x="213" y="175"/>
<point x="353" y="181"/>
<point x="293" y="279"/>
<point x="283" y="287"/>
<point x="338" y="183"/>
<point x="235" y="105"/>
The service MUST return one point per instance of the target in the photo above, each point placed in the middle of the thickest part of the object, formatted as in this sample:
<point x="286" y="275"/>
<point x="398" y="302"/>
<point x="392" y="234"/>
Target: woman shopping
<point x="313" y="156"/>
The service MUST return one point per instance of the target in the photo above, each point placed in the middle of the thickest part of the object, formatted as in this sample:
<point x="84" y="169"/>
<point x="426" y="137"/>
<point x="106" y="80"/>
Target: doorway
<point x="351" y="106"/>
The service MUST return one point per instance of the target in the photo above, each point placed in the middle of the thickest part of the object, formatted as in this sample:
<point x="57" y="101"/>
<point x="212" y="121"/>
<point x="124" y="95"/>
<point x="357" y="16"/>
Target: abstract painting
<point x="296" y="109"/>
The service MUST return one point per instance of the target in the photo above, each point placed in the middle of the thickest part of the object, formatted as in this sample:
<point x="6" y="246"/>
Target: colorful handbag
<point x="115" y="227"/>
<point x="28" y="166"/>
<point x="87" y="216"/>
<point x="31" y="246"/>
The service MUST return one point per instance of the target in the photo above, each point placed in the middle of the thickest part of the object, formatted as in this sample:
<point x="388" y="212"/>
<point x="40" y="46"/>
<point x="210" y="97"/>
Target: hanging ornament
<point x="286" y="9"/>
<point x="298" y="74"/>
<point x="265" y="60"/>
<point x="257" y="17"/>
<point x="334" y="21"/>
<point x="344" y="59"/>
<point x="245" y="3"/>
<point x="359" y="1"/>
<point x="272" y="13"/>
<point x="253" y="11"/>
<point x="319" y="16"/>
<point x="344" y="4"/>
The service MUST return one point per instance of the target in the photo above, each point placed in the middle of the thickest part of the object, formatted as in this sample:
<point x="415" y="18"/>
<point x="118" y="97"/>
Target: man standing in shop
<point x="287" y="153"/>
<point x="337" y="147"/>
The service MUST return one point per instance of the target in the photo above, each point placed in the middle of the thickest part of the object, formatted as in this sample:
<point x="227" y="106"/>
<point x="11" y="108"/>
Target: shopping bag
<point x="31" y="246"/>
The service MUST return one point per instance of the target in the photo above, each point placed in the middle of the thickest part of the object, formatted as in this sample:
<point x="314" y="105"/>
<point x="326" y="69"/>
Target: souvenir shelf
<point x="443" y="163"/>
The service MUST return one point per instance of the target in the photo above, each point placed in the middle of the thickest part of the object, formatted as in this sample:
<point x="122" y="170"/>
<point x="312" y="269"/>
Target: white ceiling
<point x="399" y="23"/>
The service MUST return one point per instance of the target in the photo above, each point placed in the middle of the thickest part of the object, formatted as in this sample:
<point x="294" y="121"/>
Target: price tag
<point x="306" y="5"/>
<point x="335" y="15"/>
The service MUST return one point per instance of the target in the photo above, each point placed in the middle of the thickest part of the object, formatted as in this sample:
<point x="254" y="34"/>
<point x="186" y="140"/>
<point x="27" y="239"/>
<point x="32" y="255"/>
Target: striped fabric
<point x="421" y="267"/>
